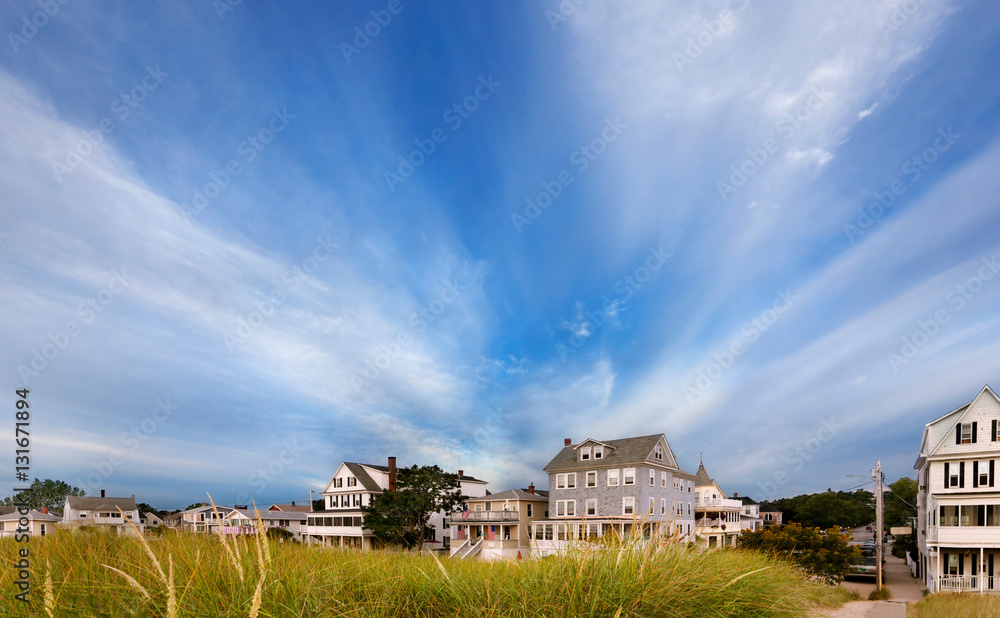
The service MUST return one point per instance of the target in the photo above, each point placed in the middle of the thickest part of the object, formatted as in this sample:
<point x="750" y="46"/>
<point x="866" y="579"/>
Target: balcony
<point x="964" y="536"/>
<point x="485" y="516"/>
<point x="727" y="504"/>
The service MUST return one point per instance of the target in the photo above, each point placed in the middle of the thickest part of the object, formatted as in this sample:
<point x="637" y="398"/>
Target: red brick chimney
<point x="392" y="474"/>
<point x="461" y="473"/>
<point x="45" y="509"/>
<point x="736" y="496"/>
<point x="531" y="488"/>
<point x="102" y="493"/>
<point x="568" y="442"/>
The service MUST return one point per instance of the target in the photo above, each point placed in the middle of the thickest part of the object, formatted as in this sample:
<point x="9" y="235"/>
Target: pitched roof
<point x="293" y="508"/>
<point x="702" y="475"/>
<point x="363" y="477"/>
<point x="91" y="503"/>
<point x="33" y="514"/>
<point x="514" y="494"/>
<point x="746" y="500"/>
<point x="767" y="508"/>
<point x="623" y="452"/>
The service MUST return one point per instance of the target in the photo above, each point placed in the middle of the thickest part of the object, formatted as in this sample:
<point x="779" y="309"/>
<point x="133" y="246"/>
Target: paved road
<point x="898" y="580"/>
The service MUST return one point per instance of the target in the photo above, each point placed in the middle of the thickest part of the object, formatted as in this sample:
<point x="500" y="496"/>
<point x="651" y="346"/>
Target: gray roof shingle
<point x="623" y="452"/>
<point x="90" y="503"/>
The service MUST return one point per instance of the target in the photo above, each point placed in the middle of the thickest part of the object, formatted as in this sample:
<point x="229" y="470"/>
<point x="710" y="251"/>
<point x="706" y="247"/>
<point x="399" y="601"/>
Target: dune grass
<point x="949" y="605"/>
<point x="102" y="574"/>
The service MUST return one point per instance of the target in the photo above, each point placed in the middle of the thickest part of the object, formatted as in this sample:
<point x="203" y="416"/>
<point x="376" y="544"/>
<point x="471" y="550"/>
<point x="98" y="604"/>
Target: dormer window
<point x="585" y="453"/>
<point x="598" y="452"/>
<point x="658" y="454"/>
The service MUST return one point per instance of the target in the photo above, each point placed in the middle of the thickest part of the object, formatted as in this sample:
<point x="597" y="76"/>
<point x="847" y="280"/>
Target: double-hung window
<point x="628" y="505"/>
<point x="629" y="476"/>
<point x="591" y="506"/>
<point x="566" y="481"/>
<point x="592" y="479"/>
<point x="613" y="478"/>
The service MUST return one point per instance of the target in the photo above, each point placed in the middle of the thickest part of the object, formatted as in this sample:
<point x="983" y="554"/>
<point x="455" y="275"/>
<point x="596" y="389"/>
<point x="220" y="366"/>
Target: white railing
<point x="965" y="583"/>
<point x="718" y="502"/>
<point x="487" y="516"/>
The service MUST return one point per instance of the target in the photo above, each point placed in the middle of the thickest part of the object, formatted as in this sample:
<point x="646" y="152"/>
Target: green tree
<point x="823" y="554"/>
<point x="400" y="517"/>
<point x="897" y="511"/>
<point x="43" y="493"/>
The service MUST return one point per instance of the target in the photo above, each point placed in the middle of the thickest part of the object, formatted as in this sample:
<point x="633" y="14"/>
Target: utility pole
<point x="877" y="473"/>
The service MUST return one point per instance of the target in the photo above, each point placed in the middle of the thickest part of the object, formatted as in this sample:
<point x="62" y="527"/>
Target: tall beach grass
<point x="94" y="573"/>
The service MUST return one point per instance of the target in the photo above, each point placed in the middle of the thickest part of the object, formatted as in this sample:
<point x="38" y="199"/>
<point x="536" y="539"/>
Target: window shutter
<point x="947" y="475"/>
<point x="958" y="433"/>
<point x="974" y="423"/>
<point x="975" y="474"/>
<point x="982" y="514"/>
<point x="961" y="474"/>
<point x="944" y="561"/>
<point x="991" y="473"/>
<point x="961" y="564"/>
<point x="994" y="430"/>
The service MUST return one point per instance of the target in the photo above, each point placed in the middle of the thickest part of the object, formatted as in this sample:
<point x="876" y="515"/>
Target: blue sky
<point x="240" y="246"/>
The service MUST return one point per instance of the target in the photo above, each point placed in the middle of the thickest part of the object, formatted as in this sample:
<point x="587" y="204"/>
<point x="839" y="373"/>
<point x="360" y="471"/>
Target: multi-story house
<point x="717" y="521"/>
<point x="355" y="485"/>
<point x="115" y="513"/>
<point x="204" y="518"/>
<point x="624" y="486"/>
<point x="498" y="525"/>
<point x="750" y="518"/>
<point x="244" y="521"/>
<point x="770" y="515"/>
<point x="958" y="499"/>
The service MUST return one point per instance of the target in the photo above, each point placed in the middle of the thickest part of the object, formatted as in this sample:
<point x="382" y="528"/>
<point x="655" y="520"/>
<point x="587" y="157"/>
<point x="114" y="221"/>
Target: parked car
<point x="866" y="566"/>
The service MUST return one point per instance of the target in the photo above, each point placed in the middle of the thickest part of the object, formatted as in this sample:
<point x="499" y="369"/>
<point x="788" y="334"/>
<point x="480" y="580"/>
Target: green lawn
<point x="100" y="574"/>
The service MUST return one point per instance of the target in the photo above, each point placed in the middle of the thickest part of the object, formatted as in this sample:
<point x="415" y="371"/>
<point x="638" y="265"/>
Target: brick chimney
<point x="461" y="473"/>
<point x="736" y="496"/>
<point x="568" y="442"/>
<point x="392" y="474"/>
<point x="531" y="488"/>
<point x="102" y="493"/>
<point x="45" y="509"/>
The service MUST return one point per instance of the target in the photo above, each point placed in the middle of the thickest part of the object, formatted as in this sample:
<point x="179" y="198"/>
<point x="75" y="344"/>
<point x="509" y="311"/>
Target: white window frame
<point x="652" y="478"/>
<point x="663" y="479"/>
<point x="591" y="507"/>
<point x="592" y="475"/>
<point x="585" y="454"/>
<point x="629" y="472"/>
<point x="663" y="506"/>
<point x="966" y="435"/>
<point x="628" y="505"/>
<point x="984" y="473"/>
<point x="652" y="505"/>
<point x="613" y="478"/>
<point x="566" y="480"/>
<point x="598" y="452"/>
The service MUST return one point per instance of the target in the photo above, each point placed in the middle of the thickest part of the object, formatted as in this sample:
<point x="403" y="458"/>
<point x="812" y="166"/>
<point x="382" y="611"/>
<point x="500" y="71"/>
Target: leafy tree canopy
<point x="847" y="509"/>
<point x="897" y="511"/>
<point x="44" y="493"/>
<point x="824" y="554"/>
<point x="400" y="517"/>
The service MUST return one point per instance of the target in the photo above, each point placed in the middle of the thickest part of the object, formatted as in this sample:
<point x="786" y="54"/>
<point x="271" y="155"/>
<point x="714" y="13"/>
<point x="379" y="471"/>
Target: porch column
<point x="937" y="581"/>
<point x="980" y="570"/>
